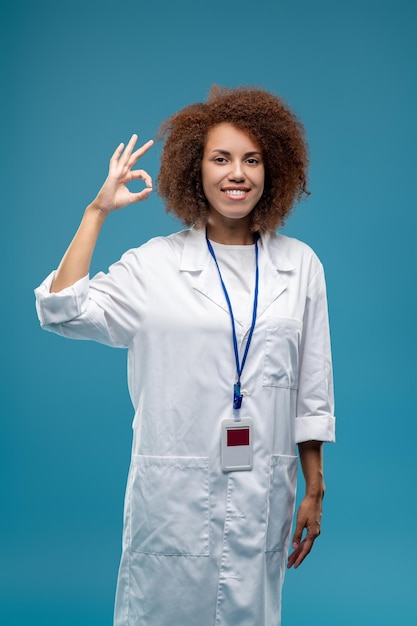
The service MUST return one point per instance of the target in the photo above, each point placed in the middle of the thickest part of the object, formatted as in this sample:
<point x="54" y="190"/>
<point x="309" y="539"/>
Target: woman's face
<point x="233" y="173"/>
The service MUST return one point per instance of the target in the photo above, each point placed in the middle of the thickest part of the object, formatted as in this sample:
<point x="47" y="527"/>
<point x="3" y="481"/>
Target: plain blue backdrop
<point x="77" y="79"/>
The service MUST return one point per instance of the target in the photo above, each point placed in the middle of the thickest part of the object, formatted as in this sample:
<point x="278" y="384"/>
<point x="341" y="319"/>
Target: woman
<point x="229" y="363"/>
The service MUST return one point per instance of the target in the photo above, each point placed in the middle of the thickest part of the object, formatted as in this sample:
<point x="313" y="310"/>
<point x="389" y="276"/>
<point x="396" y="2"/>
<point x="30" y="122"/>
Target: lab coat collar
<point x="273" y="266"/>
<point x="195" y="253"/>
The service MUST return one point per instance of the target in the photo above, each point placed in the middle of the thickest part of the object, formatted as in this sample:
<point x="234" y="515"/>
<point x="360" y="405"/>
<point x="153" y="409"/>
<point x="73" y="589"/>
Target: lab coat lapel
<point x="196" y="260"/>
<point x="273" y="267"/>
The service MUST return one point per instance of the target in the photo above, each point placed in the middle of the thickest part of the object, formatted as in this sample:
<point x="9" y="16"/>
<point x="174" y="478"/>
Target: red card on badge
<point x="238" y="437"/>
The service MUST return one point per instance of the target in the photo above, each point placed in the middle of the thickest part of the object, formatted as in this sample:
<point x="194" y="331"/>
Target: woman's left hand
<point x="309" y="518"/>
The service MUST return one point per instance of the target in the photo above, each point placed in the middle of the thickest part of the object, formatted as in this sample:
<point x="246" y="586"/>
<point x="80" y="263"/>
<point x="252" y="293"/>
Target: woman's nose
<point x="236" y="171"/>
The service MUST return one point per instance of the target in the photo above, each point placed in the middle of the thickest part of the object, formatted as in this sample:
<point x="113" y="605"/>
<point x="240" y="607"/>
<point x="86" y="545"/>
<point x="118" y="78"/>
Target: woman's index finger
<point x="141" y="151"/>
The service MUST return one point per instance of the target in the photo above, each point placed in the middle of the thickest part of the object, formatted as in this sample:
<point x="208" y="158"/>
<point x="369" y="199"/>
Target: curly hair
<point x="267" y="120"/>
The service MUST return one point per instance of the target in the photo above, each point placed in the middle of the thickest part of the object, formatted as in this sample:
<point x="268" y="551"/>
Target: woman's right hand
<point x="114" y="194"/>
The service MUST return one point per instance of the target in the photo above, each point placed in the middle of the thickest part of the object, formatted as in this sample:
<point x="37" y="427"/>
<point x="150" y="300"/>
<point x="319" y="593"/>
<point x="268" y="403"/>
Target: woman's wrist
<point x="311" y="457"/>
<point x="96" y="212"/>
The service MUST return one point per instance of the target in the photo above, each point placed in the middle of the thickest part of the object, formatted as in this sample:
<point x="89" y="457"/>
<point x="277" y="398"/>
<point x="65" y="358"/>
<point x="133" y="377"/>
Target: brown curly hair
<point x="266" y="119"/>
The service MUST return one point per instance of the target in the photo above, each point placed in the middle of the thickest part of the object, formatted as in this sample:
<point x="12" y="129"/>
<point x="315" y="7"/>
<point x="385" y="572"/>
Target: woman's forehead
<point x="225" y="135"/>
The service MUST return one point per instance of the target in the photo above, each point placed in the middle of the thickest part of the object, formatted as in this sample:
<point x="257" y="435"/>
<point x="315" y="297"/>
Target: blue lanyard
<point x="237" y="396"/>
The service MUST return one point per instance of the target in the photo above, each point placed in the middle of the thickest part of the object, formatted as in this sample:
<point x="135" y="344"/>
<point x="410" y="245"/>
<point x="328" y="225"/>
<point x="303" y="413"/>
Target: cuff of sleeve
<point x="65" y="305"/>
<point x="315" y="428"/>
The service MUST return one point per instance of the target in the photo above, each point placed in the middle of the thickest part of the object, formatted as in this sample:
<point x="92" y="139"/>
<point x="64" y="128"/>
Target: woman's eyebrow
<point x="227" y="153"/>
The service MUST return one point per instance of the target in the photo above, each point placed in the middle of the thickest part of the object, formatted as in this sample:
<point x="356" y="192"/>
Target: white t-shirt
<point x="237" y="265"/>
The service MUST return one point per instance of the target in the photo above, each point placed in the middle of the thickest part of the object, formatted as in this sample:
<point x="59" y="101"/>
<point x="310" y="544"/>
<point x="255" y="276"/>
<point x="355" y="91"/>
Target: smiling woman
<point x="229" y="364"/>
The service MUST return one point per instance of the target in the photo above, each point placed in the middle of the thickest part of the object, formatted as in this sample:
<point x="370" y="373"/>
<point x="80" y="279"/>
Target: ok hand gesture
<point x="114" y="194"/>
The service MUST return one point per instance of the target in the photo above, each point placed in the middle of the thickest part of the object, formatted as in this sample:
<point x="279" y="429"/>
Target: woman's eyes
<point x="250" y="161"/>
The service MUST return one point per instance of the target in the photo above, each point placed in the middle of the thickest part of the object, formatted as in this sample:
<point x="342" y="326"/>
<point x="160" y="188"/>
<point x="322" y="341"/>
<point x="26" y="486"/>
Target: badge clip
<point x="237" y="396"/>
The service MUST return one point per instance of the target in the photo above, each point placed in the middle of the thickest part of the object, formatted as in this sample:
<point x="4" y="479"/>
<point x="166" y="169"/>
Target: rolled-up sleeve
<point x="65" y="305"/>
<point x="107" y="309"/>
<point x="315" y="399"/>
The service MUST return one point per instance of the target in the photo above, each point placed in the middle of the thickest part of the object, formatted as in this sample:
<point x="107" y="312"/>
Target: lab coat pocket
<point x="282" y="343"/>
<point x="282" y="482"/>
<point x="169" y="506"/>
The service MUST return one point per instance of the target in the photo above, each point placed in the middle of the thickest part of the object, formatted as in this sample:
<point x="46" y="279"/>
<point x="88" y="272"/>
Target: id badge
<point x="236" y="445"/>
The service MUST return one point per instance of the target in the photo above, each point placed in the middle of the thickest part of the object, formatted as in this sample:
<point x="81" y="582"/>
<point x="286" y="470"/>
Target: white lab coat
<point x="203" y="547"/>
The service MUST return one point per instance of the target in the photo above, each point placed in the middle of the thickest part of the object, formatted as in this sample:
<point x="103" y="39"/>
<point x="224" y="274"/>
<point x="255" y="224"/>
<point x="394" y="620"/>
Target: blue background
<point x="77" y="79"/>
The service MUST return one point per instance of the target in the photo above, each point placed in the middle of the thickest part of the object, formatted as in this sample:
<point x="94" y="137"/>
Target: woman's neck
<point x="236" y="233"/>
